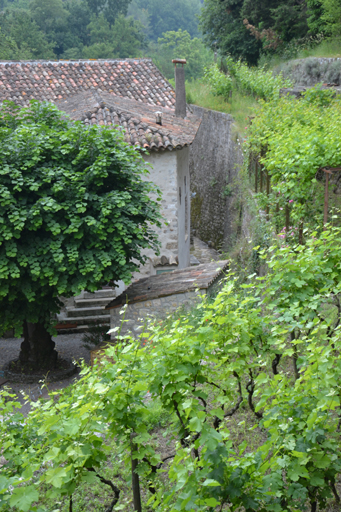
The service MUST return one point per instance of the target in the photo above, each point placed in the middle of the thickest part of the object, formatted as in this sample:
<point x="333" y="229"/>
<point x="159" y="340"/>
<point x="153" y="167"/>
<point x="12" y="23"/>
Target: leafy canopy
<point x="75" y="210"/>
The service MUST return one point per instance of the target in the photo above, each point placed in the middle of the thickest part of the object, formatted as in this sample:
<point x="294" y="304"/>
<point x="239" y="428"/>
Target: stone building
<point x="158" y="296"/>
<point x="132" y="95"/>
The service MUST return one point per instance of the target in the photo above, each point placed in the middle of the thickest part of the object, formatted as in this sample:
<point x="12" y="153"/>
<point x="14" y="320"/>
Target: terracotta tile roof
<point x="179" y="281"/>
<point x="138" y="120"/>
<point x="125" y="93"/>
<point x="136" y="79"/>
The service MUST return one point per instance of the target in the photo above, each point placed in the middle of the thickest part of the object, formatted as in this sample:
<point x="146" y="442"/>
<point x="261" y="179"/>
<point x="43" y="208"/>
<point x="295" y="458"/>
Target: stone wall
<point x="312" y="70"/>
<point x="214" y="163"/>
<point x="138" y="314"/>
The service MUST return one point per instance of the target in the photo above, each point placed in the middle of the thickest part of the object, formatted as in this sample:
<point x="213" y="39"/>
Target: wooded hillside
<point x="91" y="29"/>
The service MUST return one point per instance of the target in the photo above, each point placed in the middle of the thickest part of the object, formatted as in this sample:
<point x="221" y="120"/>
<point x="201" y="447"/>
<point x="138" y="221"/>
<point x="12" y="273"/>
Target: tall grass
<point x="327" y="48"/>
<point x="239" y="106"/>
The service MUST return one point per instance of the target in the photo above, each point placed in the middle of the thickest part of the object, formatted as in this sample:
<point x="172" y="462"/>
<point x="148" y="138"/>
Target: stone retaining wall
<point x="138" y="314"/>
<point x="215" y="159"/>
<point x="312" y="70"/>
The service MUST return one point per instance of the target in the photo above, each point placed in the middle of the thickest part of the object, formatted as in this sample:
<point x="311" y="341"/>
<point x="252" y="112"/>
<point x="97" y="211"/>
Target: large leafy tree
<point x="314" y="12"/>
<point x="51" y="16"/>
<point x="75" y="214"/>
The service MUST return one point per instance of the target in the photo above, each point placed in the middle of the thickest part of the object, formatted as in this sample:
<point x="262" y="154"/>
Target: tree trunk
<point x="37" y="349"/>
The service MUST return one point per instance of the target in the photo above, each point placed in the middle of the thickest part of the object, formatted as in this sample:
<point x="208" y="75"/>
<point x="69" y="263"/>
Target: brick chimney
<point x="180" y="88"/>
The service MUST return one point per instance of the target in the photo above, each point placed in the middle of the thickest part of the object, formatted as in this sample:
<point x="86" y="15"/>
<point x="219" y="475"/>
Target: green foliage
<point x="297" y="138"/>
<point x="315" y="12"/>
<point x="332" y="16"/>
<point x="179" y="45"/>
<point x="8" y="47"/>
<point x="74" y="211"/>
<point x="268" y="346"/>
<point x="123" y="39"/>
<point x="238" y="105"/>
<point x="222" y="26"/>
<point x="256" y="81"/>
<point x="70" y="27"/>
<point x="221" y="84"/>
<point x="48" y="14"/>
<point x="46" y="29"/>
<point x="275" y="27"/>
<point x="171" y="16"/>
<point x="287" y="19"/>
<point x="110" y="9"/>
<point x="29" y="41"/>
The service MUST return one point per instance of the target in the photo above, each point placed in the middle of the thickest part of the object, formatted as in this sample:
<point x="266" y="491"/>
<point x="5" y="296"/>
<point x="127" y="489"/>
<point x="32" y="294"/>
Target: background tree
<point x="314" y="16"/>
<point x="75" y="214"/>
<point x="51" y="17"/>
<point x="288" y="19"/>
<point x="122" y="40"/>
<point x="167" y="16"/>
<point x="222" y="25"/>
<point x="48" y="14"/>
<point x="8" y="47"/>
<point x="332" y="16"/>
<point x="75" y="34"/>
<point x="109" y="8"/>
<point x="180" y="45"/>
<point x="31" y="42"/>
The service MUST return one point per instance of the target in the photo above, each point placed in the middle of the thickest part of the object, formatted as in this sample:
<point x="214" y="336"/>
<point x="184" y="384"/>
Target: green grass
<point x="239" y="107"/>
<point x="328" y="48"/>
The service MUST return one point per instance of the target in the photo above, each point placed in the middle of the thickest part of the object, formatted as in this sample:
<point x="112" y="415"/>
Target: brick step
<point x="72" y="312"/>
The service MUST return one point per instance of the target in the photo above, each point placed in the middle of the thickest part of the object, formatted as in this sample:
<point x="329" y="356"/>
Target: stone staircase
<point x="85" y="310"/>
<point x="88" y="309"/>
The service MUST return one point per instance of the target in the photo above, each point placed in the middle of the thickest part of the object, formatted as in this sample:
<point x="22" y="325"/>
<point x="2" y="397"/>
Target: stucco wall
<point x="214" y="163"/>
<point x="138" y="314"/>
<point x="163" y="172"/>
